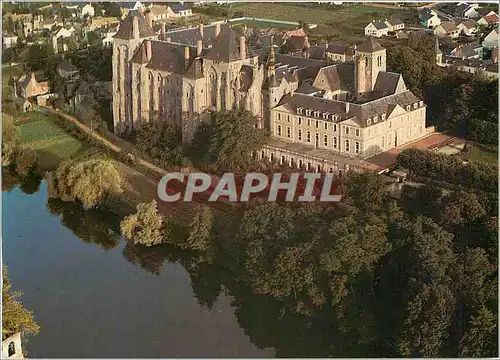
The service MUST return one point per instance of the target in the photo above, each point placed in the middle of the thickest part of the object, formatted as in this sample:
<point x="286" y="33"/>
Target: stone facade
<point x="11" y="347"/>
<point x="322" y="116"/>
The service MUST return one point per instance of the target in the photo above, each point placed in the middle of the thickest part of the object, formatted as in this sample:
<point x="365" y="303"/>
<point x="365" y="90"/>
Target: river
<point x="94" y="296"/>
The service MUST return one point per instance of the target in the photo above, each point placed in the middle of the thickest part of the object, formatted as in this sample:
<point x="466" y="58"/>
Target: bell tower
<point x="369" y="60"/>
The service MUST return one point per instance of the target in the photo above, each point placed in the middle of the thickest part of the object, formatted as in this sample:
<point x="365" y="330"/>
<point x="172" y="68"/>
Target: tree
<point x="15" y="317"/>
<point x="367" y="190"/>
<point x="228" y="140"/>
<point x="479" y="340"/>
<point x="201" y="229"/>
<point x="26" y="160"/>
<point x="143" y="227"/>
<point x="162" y="141"/>
<point x="90" y="181"/>
<point x="10" y="140"/>
<point x="426" y="327"/>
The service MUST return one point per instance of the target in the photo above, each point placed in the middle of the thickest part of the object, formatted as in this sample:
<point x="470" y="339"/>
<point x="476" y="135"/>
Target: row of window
<point x="325" y="139"/>
<point x="346" y="129"/>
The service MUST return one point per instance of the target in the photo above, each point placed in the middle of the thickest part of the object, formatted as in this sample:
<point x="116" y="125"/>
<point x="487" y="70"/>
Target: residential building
<point x="87" y="10"/>
<point x="322" y="116"/>
<point x="377" y="29"/>
<point x="395" y="25"/>
<point x="491" y="40"/>
<point x="488" y="20"/>
<point x="28" y="86"/>
<point x="159" y="12"/>
<point x="447" y="29"/>
<point x="468" y="27"/>
<point x="180" y="10"/>
<point x="462" y="10"/>
<point x="429" y="19"/>
<point x="469" y="51"/>
<point x="9" y="40"/>
<point x="339" y="52"/>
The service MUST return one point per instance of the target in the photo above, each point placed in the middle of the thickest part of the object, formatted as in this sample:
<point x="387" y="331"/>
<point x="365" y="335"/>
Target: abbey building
<point x="329" y="117"/>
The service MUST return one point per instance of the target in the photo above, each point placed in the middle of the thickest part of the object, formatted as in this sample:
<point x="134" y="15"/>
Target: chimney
<point x="148" y="50"/>
<point x="217" y="30"/>
<point x="199" y="47"/>
<point x="135" y="27"/>
<point x="149" y="18"/>
<point x="201" y="30"/>
<point x="243" y="49"/>
<point x="186" y="57"/>
<point x="163" y="30"/>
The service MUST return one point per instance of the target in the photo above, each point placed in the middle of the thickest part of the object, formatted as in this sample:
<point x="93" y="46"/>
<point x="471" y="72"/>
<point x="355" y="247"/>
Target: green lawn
<point x="52" y="143"/>
<point x="481" y="153"/>
<point x="344" y="23"/>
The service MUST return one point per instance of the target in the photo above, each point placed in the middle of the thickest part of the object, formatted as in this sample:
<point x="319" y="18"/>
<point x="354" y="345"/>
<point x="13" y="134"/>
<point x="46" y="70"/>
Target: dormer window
<point x="325" y="115"/>
<point x="415" y="105"/>
<point x="368" y="121"/>
<point x="421" y="103"/>
<point x="408" y="107"/>
<point x="316" y="113"/>
<point x="383" y="117"/>
<point x="308" y="112"/>
<point x="299" y="110"/>
<point x="375" y="119"/>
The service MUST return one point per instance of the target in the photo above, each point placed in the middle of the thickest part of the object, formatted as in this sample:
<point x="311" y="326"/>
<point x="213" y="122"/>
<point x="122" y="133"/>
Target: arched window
<point x="12" y="349"/>
<point x="318" y="168"/>
<point x="308" y="166"/>
<point x="262" y="154"/>
<point x="366" y="63"/>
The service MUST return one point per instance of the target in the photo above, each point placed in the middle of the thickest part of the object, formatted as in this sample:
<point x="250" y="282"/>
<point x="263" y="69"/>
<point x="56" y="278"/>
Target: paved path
<point x="104" y="141"/>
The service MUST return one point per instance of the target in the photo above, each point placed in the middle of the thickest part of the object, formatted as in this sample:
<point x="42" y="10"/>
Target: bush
<point x="145" y="226"/>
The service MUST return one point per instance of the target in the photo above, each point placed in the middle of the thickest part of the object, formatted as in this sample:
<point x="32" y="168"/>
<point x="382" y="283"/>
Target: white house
<point x="376" y="29"/>
<point x="487" y="20"/>
<point x="180" y="10"/>
<point x="429" y="19"/>
<point x="159" y="12"/>
<point x="87" y="10"/>
<point x="9" y="41"/>
<point x="491" y="40"/>
<point x="468" y="27"/>
<point x="395" y="25"/>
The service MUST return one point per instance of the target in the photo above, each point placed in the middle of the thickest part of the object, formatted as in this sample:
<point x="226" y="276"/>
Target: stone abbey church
<point x="321" y="116"/>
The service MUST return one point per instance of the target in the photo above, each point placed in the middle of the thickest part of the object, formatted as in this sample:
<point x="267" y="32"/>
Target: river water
<point x="94" y="296"/>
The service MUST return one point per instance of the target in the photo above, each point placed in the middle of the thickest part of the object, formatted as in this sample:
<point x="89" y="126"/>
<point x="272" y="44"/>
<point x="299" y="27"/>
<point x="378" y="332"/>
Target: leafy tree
<point x="10" y="140"/>
<point x="228" y="140"/>
<point x="162" y="141"/>
<point x="26" y="160"/>
<point x="90" y="181"/>
<point x="143" y="227"/>
<point x="15" y="317"/>
<point x="426" y="327"/>
<point x="367" y="190"/>
<point x="479" y="339"/>
<point x="201" y="229"/>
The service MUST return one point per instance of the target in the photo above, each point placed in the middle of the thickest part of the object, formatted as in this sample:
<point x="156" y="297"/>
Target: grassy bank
<point x="482" y="153"/>
<point x="52" y="143"/>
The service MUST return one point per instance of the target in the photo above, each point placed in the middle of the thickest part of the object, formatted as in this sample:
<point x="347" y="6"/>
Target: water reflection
<point x="29" y="184"/>
<point x="93" y="226"/>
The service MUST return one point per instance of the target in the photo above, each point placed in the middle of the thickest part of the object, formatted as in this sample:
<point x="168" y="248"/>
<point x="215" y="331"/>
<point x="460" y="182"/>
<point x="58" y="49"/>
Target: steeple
<point x="271" y="60"/>
<point x="438" y="52"/>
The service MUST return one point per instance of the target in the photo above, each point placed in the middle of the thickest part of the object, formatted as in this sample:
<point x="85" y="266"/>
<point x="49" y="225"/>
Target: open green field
<point x="481" y="153"/>
<point x="53" y="144"/>
<point x="342" y="23"/>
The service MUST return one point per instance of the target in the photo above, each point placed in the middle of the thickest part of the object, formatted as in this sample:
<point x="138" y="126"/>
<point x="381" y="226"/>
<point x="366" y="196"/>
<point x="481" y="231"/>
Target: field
<point x="482" y="153"/>
<point x="52" y="143"/>
<point x="339" y="23"/>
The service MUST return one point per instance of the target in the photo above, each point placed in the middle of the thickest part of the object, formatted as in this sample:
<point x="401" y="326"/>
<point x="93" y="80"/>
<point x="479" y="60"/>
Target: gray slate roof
<point x="125" y="30"/>
<point x="370" y="45"/>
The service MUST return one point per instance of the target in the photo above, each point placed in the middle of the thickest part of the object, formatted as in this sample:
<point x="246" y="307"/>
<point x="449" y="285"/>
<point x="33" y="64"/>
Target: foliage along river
<point x="94" y="296"/>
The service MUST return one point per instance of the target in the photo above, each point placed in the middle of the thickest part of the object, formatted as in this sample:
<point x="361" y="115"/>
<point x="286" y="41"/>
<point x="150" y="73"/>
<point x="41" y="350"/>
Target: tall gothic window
<point x="212" y="88"/>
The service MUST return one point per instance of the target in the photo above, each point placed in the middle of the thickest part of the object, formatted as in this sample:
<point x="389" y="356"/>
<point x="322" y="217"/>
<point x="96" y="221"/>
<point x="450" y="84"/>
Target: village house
<point x="180" y="10"/>
<point x="487" y="20"/>
<point x="395" y="25"/>
<point x="468" y="27"/>
<point x="321" y="116"/>
<point x="429" y="18"/>
<point x="109" y="32"/>
<point x="491" y="40"/>
<point x="9" y="40"/>
<point x="28" y="86"/>
<point x="87" y="10"/>
<point x="339" y="52"/>
<point x="447" y="29"/>
<point x="377" y="29"/>
<point x="159" y="12"/>
<point x="469" y="51"/>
